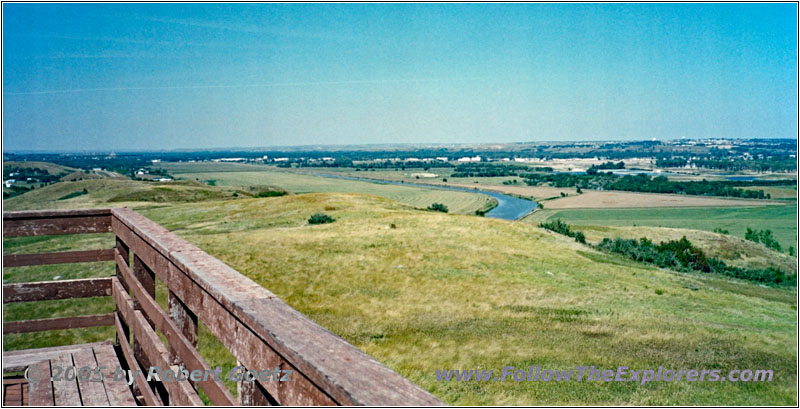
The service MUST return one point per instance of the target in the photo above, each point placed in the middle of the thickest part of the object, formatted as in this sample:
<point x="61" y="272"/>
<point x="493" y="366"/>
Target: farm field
<point x="778" y="192"/>
<point x="443" y="291"/>
<point x="593" y="199"/>
<point x="588" y="199"/>
<point x="457" y="202"/>
<point x="780" y="219"/>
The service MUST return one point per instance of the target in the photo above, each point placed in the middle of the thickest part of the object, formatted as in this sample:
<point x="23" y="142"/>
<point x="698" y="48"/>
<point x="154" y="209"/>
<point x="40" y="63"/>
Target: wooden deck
<point x="15" y="392"/>
<point x="80" y="390"/>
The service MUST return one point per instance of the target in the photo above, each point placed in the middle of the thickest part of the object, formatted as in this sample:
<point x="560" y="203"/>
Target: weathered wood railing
<point x="261" y="331"/>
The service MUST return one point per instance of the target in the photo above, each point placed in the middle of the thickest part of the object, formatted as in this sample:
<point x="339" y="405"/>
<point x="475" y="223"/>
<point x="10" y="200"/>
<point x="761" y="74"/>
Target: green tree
<point x="438" y="207"/>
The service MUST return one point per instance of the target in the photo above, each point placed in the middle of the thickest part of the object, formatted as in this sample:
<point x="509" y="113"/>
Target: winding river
<point x="508" y="207"/>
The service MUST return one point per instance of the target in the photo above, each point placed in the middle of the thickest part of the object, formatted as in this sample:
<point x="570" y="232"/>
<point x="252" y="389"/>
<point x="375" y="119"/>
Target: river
<point x="508" y="207"/>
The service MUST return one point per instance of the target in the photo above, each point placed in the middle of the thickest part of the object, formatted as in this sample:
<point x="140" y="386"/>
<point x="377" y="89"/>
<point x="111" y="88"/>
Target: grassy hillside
<point x="114" y="193"/>
<point x="782" y="220"/>
<point x="243" y="175"/>
<point x="732" y="250"/>
<point x="51" y="168"/>
<point x="443" y="291"/>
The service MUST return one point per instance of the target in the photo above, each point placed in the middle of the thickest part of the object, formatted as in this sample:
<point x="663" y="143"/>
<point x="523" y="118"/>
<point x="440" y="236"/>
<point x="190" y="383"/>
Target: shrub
<point x="320" y="218"/>
<point x="270" y="193"/>
<point x="764" y="237"/>
<point x="681" y="255"/>
<point x="562" y="228"/>
<point x="73" y="194"/>
<point x="438" y="207"/>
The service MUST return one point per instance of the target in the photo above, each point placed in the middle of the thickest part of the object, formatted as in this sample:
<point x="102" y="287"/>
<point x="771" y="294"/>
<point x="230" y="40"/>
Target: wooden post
<point x="147" y="278"/>
<point x="253" y="394"/>
<point x="125" y="252"/>
<point x="186" y="322"/>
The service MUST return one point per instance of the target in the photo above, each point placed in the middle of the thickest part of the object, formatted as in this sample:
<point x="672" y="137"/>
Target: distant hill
<point x="113" y="192"/>
<point x="51" y="168"/>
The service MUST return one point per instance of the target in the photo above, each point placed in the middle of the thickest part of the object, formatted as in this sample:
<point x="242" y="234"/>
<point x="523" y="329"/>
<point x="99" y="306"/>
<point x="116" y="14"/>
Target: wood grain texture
<point x="56" y="290"/>
<point x="64" y="257"/>
<point x="41" y="393"/>
<point x="50" y="324"/>
<point x="48" y="222"/>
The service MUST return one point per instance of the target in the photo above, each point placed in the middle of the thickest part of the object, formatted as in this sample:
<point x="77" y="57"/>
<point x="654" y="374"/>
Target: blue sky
<point x="157" y="76"/>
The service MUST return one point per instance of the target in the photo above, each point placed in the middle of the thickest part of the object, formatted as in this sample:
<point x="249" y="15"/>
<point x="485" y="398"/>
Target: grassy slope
<point x="457" y="202"/>
<point x="782" y="220"/>
<point x="447" y="291"/>
<point x="452" y="292"/>
<point x="52" y="168"/>
<point x="115" y="193"/>
<point x="733" y="250"/>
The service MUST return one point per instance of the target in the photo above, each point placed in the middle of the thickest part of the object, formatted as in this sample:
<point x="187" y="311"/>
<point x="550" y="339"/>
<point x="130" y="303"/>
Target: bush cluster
<point x="764" y="237"/>
<point x="320" y="218"/>
<point x="438" y="207"/>
<point x="562" y="228"/>
<point x="681" y="255"/>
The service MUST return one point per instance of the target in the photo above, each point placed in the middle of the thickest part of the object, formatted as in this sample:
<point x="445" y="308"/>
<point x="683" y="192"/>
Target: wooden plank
<point x="223" y="325"/>
<point x="92" y="392"/>
<point x="185" y="321"/>
<point x="147" y="394"/>
<point x="304" y="345"/>
<point x="123" y="250"/>
<point x="63" y="257"/>
<point x="19" y="360"/>
<point x="41" y="393"/>
<point x="182" y="346"/>
<point x="65" y="392"/>
<point x="40" y="223"/>
<point x="180" y="393"/>
<point x="41" y="214"/>
<point x="254" y="394"/>
<point x="118" y="393"/>
<point x="146" y="278"/>
<point x="50" y="324"/>
<point x="56" y="290"/>
<point x="12" y="394"/>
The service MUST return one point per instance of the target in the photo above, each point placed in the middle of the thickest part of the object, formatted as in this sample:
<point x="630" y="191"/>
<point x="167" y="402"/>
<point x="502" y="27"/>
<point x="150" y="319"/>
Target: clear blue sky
<point x="155" y="76"/>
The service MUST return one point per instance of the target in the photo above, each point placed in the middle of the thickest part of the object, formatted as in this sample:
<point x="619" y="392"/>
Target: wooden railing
<point x="260" y="331"/>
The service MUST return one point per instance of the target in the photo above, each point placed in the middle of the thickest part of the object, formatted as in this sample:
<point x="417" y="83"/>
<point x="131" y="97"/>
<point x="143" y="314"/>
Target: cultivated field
<point x="782" y="220"/>
<point x="593" y="199"/>
<point x="457" y="202"/>
<point x="444" y="291"/>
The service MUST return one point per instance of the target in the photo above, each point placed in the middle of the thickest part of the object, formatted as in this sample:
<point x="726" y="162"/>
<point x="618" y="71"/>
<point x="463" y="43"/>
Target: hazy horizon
<point x="152" y="77"/>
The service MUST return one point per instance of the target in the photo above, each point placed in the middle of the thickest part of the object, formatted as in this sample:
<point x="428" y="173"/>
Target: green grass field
<point x="443" y="291"/>
<point x="245" y="175"/>
<point x="782" y="220"/>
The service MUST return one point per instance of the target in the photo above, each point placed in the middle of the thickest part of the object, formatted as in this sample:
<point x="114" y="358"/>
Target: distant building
<point x="470" y="159"/>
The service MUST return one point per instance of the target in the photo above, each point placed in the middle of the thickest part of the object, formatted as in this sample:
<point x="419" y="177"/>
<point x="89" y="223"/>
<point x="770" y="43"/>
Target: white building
<point x="468" y="159"/>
